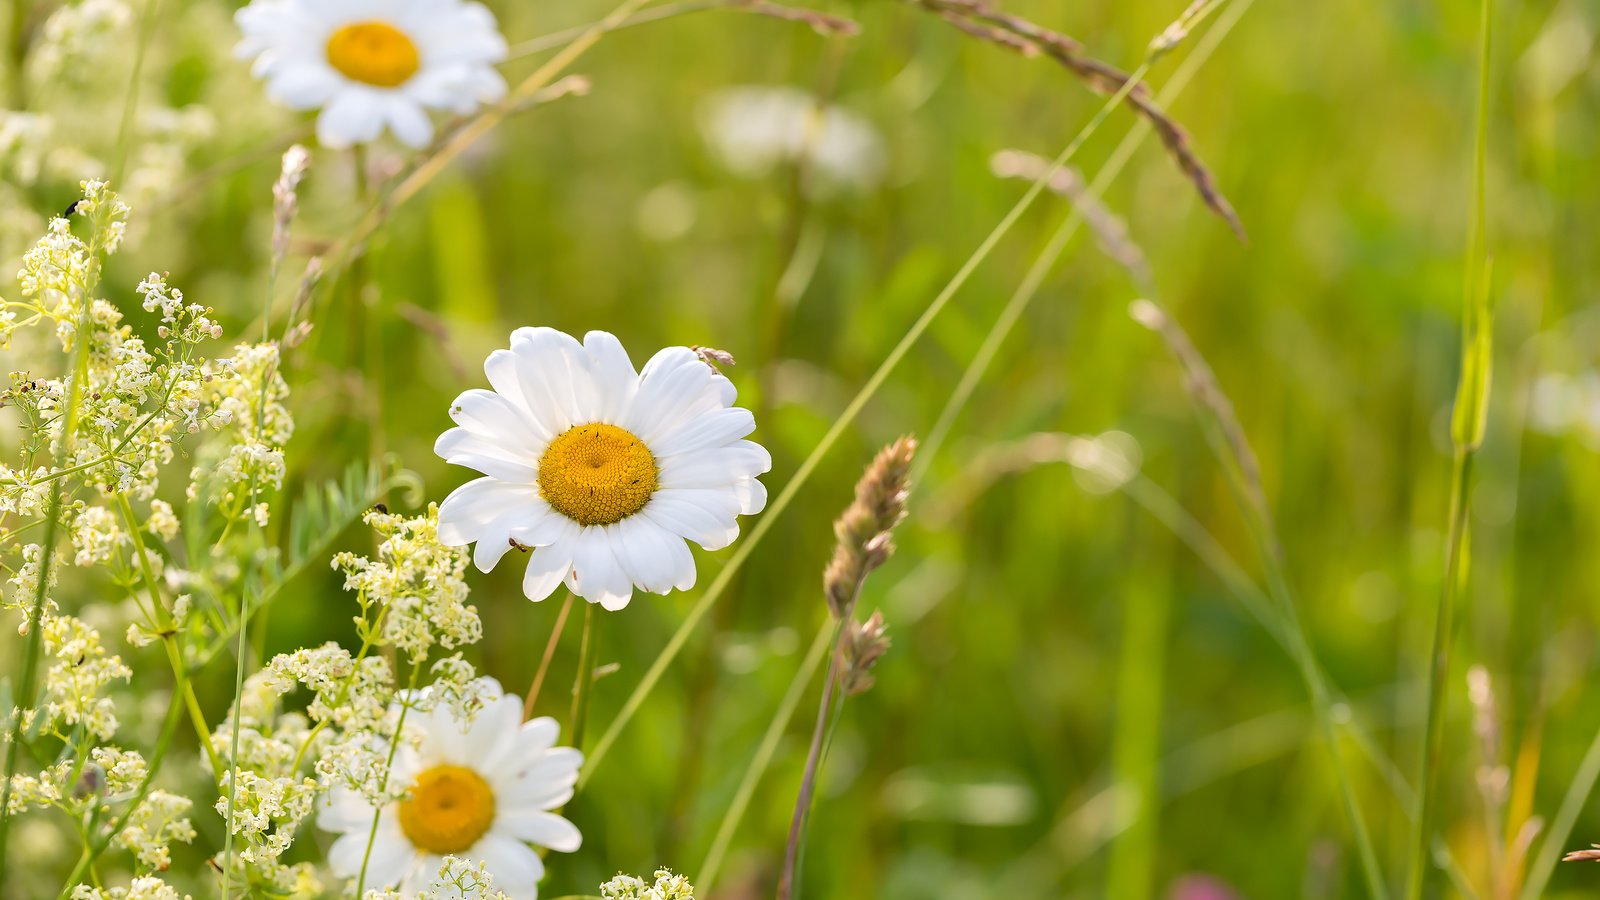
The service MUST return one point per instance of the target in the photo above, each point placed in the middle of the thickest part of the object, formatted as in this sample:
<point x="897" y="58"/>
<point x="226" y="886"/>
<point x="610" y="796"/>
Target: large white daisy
<point x="602" y="472"/>
<point x="372" y="64"/>
<point x="479" y="791"/>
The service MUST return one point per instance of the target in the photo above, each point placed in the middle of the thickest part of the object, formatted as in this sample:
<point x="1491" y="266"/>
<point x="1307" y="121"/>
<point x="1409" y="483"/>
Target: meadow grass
<point x="1182" y="602"/>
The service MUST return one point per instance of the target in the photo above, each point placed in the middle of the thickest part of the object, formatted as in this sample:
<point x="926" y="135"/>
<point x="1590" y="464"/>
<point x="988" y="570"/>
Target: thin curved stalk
<point x="763" y="758"/>
<point x="846" y="418"/>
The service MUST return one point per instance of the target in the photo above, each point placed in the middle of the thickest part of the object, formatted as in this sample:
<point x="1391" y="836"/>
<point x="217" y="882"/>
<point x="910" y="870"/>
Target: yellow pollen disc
<point x="374" y="53"/>
<point x="597" y="474"/>
<point x="449" y="809"/>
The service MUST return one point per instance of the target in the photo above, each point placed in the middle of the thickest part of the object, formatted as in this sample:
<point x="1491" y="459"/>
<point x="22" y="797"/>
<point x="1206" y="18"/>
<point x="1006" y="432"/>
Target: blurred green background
<point x="1074" y="705"/>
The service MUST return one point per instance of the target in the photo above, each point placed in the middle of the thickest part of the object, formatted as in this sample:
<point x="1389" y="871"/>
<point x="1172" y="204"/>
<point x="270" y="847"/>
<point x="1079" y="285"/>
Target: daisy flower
<point x="479" y="791"/>
<point x="602" y="472"/>
<point x="374" y="64"/>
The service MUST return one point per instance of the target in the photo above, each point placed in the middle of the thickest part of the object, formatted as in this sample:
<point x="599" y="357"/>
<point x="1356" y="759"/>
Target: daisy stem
<point x="544" y="663"/>
<point x="763" y="757"/>
<point x="808" y="467"/>
<point x="583" y="682"/>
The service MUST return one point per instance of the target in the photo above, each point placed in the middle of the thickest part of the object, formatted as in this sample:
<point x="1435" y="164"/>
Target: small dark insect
<point x="71" y="208"/>
<point x="381" y="507"/>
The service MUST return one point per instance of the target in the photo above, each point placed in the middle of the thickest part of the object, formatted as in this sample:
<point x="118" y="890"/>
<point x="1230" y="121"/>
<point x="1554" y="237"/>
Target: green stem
<point x="763" y="757"/>
<point x="583" y="681"/>
<point x="1467" y="428"/>
<point x="130" y="104"/>
<point x="29" y="683"/>
<point x="17" y="53"/>
<point x="788" y="881"/>
<point x="92" y="851"/>
<point x="1439" y="672"/>
<point x="165" y="626"/>
<point x="383" y="783"/>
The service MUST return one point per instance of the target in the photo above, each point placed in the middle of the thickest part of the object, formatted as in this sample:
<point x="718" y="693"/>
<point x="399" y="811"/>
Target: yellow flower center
<point x="597" y="474"/>
<point x="449" y="809"/>
<point x="375" y="53"/>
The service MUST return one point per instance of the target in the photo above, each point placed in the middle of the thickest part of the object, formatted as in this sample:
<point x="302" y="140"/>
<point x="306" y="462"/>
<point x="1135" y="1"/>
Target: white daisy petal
<point x="491" y="414"/>
<point x="713" y="429"/>
<point x="515" y="868"/>
<point x="709" y="518"/>
<point x="304" y="87"/>
<point x="543" y="828"/>
<point x="614" y="377"/>
<point x="715" y="468"/>
<point x="674" y="385"/>
<point x="596" y="574"/>
<point x="553" y="367"/>
<point x="350" y="118"/>
<point x="420" y="874"/>
<point x="547" y="568"/>
<point x="654" y="560"/>
<point x="408" y="122"/>
<point x="461" y="447"/>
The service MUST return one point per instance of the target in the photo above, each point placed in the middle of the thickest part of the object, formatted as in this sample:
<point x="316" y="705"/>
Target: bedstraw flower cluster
<point x="145" y="888"/>
<point x="667" y="886"/>
<point x="458" y="879"/>
<point x="418" y="581"/>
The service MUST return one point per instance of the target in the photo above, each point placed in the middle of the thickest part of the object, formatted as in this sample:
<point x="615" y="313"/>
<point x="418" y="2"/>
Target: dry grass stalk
<point x="863" y="644"/>
<point x="866" y="529"/>
<point x="986" y="22"/>
<point x="1110" y="231"/>
<point x="1202" y="384"/>
<point x="1590" y="855"/>
<point x="865" y="532"/>
<point x="820" y="22"/>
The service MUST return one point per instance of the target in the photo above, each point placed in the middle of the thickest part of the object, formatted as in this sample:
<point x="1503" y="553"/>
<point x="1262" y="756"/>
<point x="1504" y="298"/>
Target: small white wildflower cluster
<point x="153" y="825"/>
<point x="249" y="392"/>
<point x="160" y="160"/>
<point x="419" y="581"/>
<point x="75" y="37"/>
<point x="667" y="886"/>
<point x="93" y="439"/>
<point x="145" y="888"/>
<point x="271" y="794"/>
<point x="458" y="879"/>
<point x="80" y="671"/>
<point x="135" y="398"/>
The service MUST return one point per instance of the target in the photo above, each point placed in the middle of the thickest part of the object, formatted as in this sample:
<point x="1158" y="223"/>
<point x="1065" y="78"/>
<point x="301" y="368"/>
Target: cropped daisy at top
<point x="371" y="65"/>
